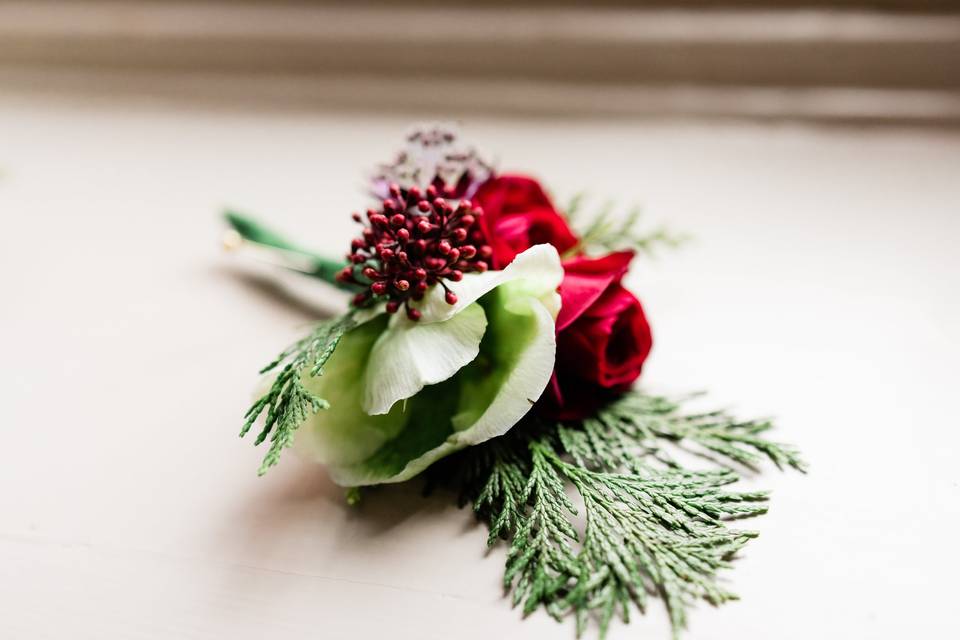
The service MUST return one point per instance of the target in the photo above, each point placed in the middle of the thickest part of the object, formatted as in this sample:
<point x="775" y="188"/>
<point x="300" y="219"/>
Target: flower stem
<point x="290" y="255"/>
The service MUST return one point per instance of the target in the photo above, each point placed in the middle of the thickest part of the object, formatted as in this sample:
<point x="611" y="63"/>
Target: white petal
<point x="410" y="355"/>
<point x="538" y="268"/>
<point x="514" y="398"/>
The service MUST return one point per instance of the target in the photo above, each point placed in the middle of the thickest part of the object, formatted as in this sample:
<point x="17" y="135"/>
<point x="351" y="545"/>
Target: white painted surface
<point x="823" y="289"/>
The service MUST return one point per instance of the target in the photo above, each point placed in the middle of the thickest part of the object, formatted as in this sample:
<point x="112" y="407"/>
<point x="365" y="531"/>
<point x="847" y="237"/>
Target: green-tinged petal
<point x="410" y="355"/>
<point x="538" y="269"/>
<point x="484" y="397"/>
<point x="343" y="434"/>
<point x="484" y="400"/>
<point x="515" y="366"/>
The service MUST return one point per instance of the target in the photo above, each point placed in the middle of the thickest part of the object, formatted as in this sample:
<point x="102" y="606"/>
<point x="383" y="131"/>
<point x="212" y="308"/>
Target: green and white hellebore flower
<point x="404" y="394"/>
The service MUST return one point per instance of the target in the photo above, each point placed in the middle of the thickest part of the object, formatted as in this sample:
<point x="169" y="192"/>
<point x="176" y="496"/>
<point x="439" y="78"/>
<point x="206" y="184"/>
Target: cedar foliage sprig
<point x="650" y="526"/>
<point x="607" y="232"/>
<point x="288" y="403"/>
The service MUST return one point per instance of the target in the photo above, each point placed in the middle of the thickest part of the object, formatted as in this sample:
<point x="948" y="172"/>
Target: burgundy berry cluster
<point x="416" y="240"/>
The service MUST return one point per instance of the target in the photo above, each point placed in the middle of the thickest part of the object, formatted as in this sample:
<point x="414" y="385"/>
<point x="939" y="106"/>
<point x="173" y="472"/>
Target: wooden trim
<point x="609" y="52"/>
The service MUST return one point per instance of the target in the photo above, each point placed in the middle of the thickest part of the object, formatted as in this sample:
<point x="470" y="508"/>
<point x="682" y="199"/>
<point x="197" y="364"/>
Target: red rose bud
<point x="518" y="216"/>
<point x="603" y="337"/>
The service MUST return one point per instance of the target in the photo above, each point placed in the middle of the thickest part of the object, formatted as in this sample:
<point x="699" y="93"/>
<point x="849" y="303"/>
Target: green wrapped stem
<point x="290" y="254"/>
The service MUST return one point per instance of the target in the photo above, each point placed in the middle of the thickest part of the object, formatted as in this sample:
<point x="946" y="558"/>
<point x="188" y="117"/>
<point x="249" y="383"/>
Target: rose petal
<point x="585" y="279"/>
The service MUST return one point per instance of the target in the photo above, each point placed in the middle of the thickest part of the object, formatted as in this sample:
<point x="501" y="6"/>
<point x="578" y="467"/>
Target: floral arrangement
<point x="492" y="346"/>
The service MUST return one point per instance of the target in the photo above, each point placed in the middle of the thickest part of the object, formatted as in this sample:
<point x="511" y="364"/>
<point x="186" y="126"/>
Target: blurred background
<point x="851" y="60"/>
<point x="810" y="148"/>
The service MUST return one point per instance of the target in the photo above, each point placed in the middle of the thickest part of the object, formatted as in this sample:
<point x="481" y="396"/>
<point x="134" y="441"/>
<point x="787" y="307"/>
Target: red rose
<point x="602" y="334"/>
<point x="517" y="215"/>
<point x="603" y="337"/>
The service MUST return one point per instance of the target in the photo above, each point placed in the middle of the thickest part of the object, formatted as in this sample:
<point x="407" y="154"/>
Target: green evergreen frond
<point x="288" y="403"/>
<point x="608" y="232"/>
<point x="649" y="526"/>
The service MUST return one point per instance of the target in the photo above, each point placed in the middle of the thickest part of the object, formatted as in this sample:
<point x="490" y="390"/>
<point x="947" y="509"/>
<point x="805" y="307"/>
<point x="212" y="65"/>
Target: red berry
<point x="402" y="285"/>
<point x="450" y="297"/>
<point x="403" y="234"/>
<point x="393" y="306"/>
<point x="413" y="314"/>
<point x="456" y="275"/>
<point x="379" y="288"/>
<point x="398" y="219"/>
<point x="423" y="206"/>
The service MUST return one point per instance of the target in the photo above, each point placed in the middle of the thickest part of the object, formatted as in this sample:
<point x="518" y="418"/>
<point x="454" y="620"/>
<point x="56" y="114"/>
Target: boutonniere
<point x="492" y="346"/>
